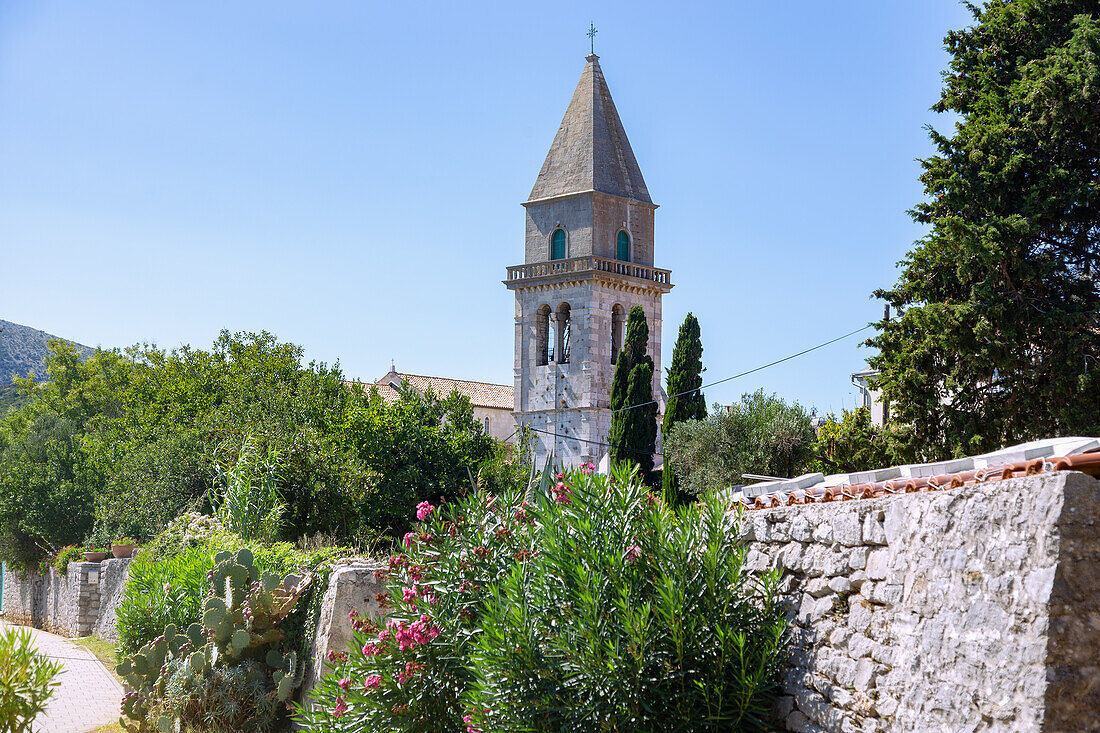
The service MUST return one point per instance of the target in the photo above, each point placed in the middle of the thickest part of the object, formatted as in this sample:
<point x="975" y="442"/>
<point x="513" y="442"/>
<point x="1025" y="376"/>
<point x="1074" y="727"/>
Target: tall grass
<point x="246" y="495"/>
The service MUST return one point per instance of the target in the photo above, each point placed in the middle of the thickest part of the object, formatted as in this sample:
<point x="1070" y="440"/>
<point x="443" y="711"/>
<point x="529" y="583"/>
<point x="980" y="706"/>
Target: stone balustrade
<point x="591" y="263"/>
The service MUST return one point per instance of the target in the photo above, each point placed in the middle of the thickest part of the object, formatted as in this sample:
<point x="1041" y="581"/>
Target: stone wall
<point x="351" y="587"/>
<point x="83" y="601"/>
<point x="112" y="579"/>
<point x="971" y="609"/>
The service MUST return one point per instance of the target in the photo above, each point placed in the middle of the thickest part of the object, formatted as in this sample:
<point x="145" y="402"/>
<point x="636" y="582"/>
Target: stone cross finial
<point x="592" y="37"/>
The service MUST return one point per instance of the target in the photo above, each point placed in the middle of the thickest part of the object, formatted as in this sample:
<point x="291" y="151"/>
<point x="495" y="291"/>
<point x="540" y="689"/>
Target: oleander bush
<point x="27" y="679"/>
<point x="588" y="606"/>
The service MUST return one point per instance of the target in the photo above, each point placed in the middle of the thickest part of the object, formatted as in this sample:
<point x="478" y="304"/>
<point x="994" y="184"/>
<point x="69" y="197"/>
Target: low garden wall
<point x="351" y="587"/>
<point x="83" y="601"/>
<point x="970" y="609"/>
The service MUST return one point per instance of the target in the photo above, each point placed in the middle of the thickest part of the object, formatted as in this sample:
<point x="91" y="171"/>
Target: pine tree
<point x="685" y="396"/>
<point x="633" y="434"/>
<point x="999" y="335"/>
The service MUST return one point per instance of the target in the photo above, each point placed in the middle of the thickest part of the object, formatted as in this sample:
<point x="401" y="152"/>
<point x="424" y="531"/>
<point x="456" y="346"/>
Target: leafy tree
<point x="47" y="482"/>
<point x="685" y="396"/>
<point x="123" y="443"/>
<point x="999" y="338"/>
<point x="854" y="443"/>
<point x="760" y="434"/>
<point x="633" y="435"/>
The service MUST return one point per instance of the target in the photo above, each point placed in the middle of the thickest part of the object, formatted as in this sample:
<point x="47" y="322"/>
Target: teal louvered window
<point x="557" y="245"/>
<point x="622" y="247"/>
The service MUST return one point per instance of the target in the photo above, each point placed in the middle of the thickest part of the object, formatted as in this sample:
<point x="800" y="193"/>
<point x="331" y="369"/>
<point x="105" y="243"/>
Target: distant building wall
<point x="501" y="425"/>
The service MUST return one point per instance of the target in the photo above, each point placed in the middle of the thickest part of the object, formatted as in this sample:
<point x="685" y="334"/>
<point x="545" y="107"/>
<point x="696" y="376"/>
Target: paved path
<point x="88" y="696"/>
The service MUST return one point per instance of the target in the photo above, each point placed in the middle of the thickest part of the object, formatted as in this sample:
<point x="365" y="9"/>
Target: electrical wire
<point x="753" y="371"/>
<point x="705" y="386"/>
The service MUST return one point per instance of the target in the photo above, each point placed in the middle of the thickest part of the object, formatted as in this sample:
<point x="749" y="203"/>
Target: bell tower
<point x="588" y="259"/>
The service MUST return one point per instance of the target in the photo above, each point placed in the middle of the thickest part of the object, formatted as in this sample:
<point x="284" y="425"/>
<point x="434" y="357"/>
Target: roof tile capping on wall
<point x="965" y="609"/>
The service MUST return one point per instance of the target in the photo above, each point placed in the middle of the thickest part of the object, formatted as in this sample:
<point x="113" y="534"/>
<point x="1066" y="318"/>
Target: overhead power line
<point x="753" y="371"/>
<point x="705" y="386"/>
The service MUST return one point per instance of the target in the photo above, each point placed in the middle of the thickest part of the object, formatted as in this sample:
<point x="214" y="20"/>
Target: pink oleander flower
<point x="343" y="683"/>
<point x="372" y="682"/>
<point x="423" y="509"/>
<point x="587" y="469"/>
<point x="340" y="709"/>
<point x="632" y="553"/>
<point x="409" y="539"/>
<point x="371" y="649"/>
<point x="408" y="595"/>
<point x="411" y="668"/>
<point x="383" y="635"/>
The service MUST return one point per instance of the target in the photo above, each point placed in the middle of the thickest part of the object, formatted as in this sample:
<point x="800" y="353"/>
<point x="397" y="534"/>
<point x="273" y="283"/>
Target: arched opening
<point x="544" y="349"/>
<point x="562" y="332"/>
<point x="622" y="247"/>
<point x="557" y="245"/>
<point x="618" y="317"/>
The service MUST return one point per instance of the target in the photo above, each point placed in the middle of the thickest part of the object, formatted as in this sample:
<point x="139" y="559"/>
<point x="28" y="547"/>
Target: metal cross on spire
<point x="592" y="38"/>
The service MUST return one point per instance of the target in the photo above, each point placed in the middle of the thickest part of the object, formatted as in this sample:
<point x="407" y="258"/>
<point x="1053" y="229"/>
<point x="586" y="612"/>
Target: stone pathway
<point x="88" y="695"/>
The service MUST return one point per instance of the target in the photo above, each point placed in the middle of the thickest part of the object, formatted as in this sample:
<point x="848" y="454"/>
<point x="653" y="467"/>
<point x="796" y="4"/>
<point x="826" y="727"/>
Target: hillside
<point x="22" y="351"/>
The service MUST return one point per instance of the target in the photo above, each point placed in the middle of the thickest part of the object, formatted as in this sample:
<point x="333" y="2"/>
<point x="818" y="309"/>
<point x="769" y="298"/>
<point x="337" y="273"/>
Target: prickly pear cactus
<point x="202" y="674"/>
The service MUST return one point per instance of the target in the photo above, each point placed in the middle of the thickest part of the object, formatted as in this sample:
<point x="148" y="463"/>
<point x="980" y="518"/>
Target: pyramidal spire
<point x="591" y="151"/>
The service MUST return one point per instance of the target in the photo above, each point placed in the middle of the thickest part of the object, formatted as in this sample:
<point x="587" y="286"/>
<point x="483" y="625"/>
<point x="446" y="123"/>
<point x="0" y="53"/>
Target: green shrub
<point x="187" y="531"/>
<point x="27" y="679"/>
<point x="169" y="585"/>
<point x="162" y="592"/>
<point x="233" y="672"/>
<point x="595" y="607"/>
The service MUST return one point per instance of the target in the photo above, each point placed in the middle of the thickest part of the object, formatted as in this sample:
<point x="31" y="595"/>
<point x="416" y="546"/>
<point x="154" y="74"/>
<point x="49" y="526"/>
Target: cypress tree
<point x="633" y="434"/>
<point x="685" y="396"/>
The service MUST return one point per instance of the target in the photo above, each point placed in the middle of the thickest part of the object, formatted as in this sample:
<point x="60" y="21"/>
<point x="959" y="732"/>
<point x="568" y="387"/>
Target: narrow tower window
<point x="562" y="332"/>
<point x="557" y="245"/>
<point x="544" y="350"/>
<point x="618" y="315"/>
<point x="622" y="247"/>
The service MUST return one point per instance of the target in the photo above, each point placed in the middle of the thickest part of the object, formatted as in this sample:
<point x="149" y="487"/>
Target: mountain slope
<point x="23" y="350"/>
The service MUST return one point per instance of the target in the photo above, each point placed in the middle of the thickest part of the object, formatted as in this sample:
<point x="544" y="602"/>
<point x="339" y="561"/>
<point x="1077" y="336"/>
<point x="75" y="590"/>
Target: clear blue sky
<point x="348" y="175"/>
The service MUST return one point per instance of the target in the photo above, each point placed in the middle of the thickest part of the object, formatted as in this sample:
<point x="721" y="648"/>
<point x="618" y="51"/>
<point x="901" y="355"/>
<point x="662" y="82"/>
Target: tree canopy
<point x="633" y="435"/>
<point x="685" y="394"/>
<point x="760" y="434"/>
<point x="999" y="335"/>
<point x="120" y="444"/>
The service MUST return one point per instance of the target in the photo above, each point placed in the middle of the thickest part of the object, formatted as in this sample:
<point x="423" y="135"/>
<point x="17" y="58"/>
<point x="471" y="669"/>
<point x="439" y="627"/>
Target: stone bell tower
<point x="588" y="259"/>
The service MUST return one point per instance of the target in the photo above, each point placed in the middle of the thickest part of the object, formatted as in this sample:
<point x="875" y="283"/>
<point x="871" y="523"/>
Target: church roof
<point x="591" y="151"/>
<point x="481" y="394"/>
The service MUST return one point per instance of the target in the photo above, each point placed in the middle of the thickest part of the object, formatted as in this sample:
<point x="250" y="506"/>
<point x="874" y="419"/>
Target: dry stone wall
<point x="971" y="609"/>
<point x="83" y="601"/>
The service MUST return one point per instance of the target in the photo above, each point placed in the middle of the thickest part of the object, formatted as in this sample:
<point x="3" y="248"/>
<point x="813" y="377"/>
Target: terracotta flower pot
<point x="120" y="551"/>
<point x="95" y="556"/>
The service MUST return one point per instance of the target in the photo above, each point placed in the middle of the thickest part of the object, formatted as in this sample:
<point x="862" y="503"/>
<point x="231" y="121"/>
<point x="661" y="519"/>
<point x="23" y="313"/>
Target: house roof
<point x="481" y="394"/>
<point x="1026" y="459"/>
<point x="591" y="151"/>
